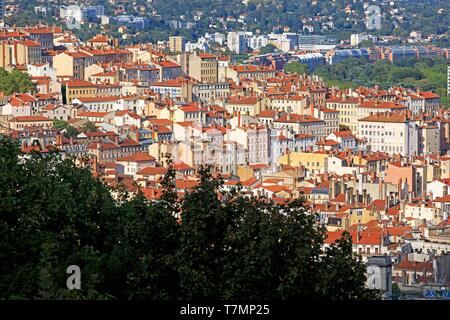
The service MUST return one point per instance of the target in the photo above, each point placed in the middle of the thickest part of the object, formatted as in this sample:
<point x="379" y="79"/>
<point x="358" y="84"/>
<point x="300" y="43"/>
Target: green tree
<point x="210" y="244"/>
<point x="270" y="48"/>
<point x="89" y="127"/>
<point x="53" y="214"/>
<point x="70" y="131"/>
<point x="14" y="81"/>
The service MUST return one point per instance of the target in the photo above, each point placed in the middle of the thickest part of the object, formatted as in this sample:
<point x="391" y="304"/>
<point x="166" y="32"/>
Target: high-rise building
<point x="177" y="44"/>
<point x="237" y="42"/>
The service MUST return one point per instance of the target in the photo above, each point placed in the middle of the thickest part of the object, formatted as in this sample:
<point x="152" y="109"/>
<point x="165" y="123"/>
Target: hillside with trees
<point x="338" y="17"/>
<point x="209" y="245"/>
<point x="423" y="74"/>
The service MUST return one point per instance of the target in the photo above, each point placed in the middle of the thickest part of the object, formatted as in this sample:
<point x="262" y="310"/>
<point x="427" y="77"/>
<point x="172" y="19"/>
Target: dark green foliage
<point x="70" y="131"/>
<point x="54" y="214"/>
<point x="270" y="48"/>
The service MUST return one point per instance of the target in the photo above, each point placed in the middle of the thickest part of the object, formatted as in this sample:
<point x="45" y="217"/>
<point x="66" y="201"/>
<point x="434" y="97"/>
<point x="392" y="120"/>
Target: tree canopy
<point x="425" y="74"/>
<point x="211" y="244"/>
<point x="270" y="48"/>
<point x="70" y="131"/>
<point x="296" y="67"/>
<point x="14" y="81"/>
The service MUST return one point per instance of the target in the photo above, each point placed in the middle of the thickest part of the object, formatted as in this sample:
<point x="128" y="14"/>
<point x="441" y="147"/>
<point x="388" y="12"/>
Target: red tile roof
<point x="136" y="157"/>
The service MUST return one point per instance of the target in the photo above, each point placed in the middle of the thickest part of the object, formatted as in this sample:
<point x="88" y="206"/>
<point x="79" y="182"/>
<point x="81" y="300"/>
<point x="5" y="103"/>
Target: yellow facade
<point x="80" y="89"/>
<point x="361" y="216"/>
<point x="71" y="64"/>
<point x="19" y="53"/>
<point x="347" y="113"/>
<point x="177" y="44"/>
<point x="313" y="162"/>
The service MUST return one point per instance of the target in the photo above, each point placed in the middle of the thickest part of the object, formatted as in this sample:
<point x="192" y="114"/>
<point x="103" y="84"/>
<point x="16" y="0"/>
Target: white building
<point x="257" y="42"/>
<point x="437" y="189"/>
<point x="255" y="140"/>
<point x="237" y="41"/>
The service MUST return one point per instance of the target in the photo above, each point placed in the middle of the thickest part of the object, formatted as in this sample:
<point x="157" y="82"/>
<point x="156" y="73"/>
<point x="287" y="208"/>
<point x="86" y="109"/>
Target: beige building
<point x="347" y="107"/>
<point x="429" y="140"/>
<point x="19" y="123"/>
<point x="203" y="67"/>
<point x="290" y="104"/>
<point x="20" y="52"/>
<point x="177" y="44"/>
<point x="238" y="73"/>
<point x="245" y="105"/>
<point x="72" y="64"/>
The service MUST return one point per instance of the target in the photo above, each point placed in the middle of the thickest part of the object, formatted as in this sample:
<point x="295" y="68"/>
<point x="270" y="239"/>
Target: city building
<point x="177" y="44"/>
<point x="203" y="67"/>
<point x="390" y="132"/>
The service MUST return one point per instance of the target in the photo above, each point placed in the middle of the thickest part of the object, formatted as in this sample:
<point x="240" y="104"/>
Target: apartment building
<point x="391" y="132"/>
<point x="203" y="67"/>
<point x="177" y="44"/>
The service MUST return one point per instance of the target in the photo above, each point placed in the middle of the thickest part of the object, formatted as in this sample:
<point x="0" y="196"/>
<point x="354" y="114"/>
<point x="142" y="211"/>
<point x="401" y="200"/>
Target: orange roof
<point x="30" y="119"/>
<point x="429" y="95"/>
<point x="169" y="64"/>
<point x="249" y="182"/>
<point x="92" y="114"/>
<point x="80" y="83"/>
<point x="276" y="188"/>
<point x="98" y="38"/>
<point x="150" y="171"/>
<point x="267" y="114"/>
<point x="344" y="134"/>
<point x="78" y="54"/>
<point x="381" y="105"/>
<point x="414" y="265"/>
<point x="252" y="68"/>
<point x="136" y="157"/>
<point x="189" y="109"/>
<point x="180" y="166"/>
<point x="206" y="56"/>
<point x="400" y="117"/>
<point x="333" y="236"/>
<point x="186" y="184"/>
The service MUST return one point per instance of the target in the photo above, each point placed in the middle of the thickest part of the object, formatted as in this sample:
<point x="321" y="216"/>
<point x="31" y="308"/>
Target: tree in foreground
<point x="210" y="244"/>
